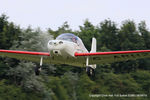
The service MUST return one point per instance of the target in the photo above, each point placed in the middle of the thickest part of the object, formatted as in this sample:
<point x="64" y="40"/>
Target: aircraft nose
<point x="56" y="46"/>
<point x="55" y="42"/>
<point x="56" y="52"/>
<point x="60" y="47"/>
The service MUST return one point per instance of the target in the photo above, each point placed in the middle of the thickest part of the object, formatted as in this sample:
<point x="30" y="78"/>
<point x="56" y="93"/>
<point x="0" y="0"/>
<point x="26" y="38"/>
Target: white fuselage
<point x="64" y="48"/>
<point x="63" y="52"/>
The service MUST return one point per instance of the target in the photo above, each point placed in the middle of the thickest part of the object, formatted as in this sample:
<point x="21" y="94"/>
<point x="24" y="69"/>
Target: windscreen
<point x="72" y="38"/>
<point x="68" y="37"/>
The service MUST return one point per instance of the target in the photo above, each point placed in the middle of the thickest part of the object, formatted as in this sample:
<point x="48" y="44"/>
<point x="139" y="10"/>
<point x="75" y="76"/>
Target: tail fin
<point x="93" y="49"/>
<point x="93" y="45"/>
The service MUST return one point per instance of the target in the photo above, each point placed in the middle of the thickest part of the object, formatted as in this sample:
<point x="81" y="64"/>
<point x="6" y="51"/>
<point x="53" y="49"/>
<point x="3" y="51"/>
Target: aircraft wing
<point x="116" y="56"/>
<point x="26" y="55"/>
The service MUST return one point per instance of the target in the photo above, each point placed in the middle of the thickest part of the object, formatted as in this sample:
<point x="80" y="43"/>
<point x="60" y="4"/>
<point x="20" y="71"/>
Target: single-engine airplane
<point x="69" y="49"/>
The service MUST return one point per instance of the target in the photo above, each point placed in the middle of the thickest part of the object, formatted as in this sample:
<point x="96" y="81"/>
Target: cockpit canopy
<point x="72" y="38"/>
<point x="68" y="37"/>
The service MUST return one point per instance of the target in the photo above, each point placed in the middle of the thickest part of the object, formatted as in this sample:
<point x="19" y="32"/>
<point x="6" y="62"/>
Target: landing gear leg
<point x="38" y="68"/>
<point x="90" y="71"/>
<point x="90" y="68"/>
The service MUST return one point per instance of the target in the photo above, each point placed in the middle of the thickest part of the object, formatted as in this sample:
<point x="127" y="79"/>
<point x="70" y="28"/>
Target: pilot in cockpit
<point x="74" y="39"/>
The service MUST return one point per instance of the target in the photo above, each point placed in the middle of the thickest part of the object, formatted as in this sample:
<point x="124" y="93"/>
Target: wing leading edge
<point x="115" y="56"/>
<point x="25" y="55"/>
<point x="94" y="58"/>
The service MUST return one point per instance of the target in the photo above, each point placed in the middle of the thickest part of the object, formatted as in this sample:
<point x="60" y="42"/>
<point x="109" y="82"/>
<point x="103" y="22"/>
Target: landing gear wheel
<point x="37" y="70"/>
<point x="90" y="71"/>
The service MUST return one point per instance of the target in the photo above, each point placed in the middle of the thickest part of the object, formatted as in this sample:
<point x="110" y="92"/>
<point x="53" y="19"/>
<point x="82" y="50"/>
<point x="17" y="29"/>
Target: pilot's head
<point x="74" y="39"/>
